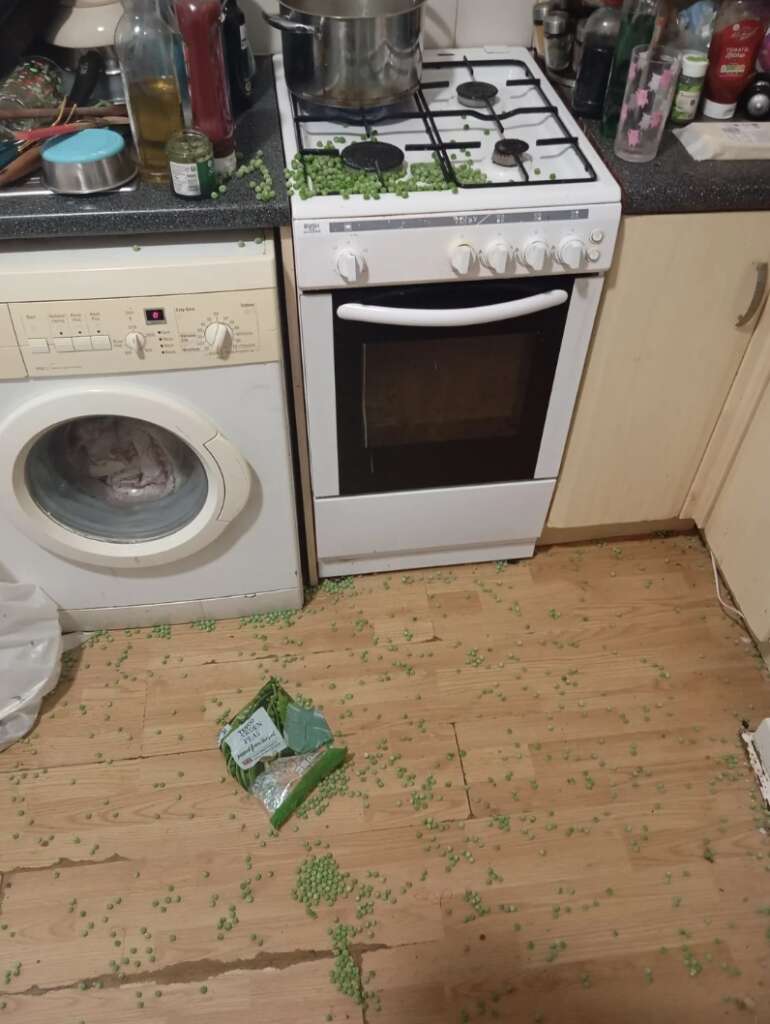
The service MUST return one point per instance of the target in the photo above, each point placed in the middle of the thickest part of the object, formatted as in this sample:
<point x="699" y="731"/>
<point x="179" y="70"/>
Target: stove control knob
<point x="217" y="338"/>
<point x="534" y="254"/>
<point x="462" y="257"/>
<point x="350" y="265"/>
<point x="571" y="253"/>
<point x="135" y="343"/>
<point x="496" y="257"/>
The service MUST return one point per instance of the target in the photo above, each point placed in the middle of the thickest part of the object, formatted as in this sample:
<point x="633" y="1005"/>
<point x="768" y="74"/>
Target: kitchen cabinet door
<point x="738" y="528"/>
<point x="734" y="420"/>
<point x="665" y="351"/>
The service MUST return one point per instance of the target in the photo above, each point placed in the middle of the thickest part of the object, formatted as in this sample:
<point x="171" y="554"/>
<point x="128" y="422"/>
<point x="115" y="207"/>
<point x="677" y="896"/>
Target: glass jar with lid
<point x="191" y="163"/>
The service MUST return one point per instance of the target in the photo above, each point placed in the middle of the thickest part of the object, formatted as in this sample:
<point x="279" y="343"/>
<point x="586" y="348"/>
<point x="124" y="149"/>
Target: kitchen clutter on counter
<point x="183" y="67"/>
<point x="656" y="62"/>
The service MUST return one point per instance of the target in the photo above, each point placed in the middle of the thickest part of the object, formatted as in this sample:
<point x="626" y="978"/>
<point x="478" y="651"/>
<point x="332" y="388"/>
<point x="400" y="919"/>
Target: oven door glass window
<point x="116" y="479"/>
<point x="427" y="407"/>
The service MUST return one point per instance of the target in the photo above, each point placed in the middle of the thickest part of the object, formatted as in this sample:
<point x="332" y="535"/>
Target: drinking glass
<point x="650" y="89"/>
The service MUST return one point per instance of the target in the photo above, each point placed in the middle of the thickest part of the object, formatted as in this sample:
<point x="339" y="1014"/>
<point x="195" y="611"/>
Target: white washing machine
<point x="145" y="460"/>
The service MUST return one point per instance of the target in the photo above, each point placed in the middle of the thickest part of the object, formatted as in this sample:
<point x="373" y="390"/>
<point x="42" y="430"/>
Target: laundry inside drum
<point x="116" y="478"/>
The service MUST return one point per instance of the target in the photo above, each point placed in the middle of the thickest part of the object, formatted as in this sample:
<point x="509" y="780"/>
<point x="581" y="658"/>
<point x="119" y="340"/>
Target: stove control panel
<point x="405" y="250"/>
<point x="155" y="332"/>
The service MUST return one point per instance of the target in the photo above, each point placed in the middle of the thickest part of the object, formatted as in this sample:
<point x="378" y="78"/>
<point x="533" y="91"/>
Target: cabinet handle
<point x="758" y="296"/>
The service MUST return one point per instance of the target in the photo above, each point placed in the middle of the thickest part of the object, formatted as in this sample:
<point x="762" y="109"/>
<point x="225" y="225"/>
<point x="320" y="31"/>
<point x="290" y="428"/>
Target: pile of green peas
<point x="318" y="880"/>
<point x="327" y="175"/>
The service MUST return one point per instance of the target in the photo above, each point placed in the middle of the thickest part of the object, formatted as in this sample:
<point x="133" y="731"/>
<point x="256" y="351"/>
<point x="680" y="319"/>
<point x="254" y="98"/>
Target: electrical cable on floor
<point x="727" y="607"/>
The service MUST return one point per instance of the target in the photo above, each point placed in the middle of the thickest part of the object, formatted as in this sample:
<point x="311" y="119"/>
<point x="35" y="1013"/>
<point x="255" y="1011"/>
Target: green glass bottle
<point x="636" y="28"/>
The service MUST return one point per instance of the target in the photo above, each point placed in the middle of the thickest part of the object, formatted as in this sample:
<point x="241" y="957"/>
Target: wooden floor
<point x="554" y="742"/>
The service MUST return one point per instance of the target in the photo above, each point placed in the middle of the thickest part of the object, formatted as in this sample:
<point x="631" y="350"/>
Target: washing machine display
<point x="116" y="478"/>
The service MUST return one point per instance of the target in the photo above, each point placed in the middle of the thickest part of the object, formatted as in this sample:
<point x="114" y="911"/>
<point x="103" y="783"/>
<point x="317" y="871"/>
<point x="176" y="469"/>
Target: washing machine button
<point x="82" y="344"/>
<point x="63" y="345"/>
<point x="38" y="345"/>
<point x="100" y="342"/>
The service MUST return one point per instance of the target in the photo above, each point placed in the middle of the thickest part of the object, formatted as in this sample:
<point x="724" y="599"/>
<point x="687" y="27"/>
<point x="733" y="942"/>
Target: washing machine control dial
<point x="136" y="343"/>
<point x="217" y="338"/>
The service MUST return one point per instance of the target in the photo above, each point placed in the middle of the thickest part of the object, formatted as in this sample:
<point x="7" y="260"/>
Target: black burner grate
<point x="368" y="122"/>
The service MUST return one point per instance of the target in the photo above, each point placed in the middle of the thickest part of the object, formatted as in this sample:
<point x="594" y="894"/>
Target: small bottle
<point x="689" y="87"/>
<point x="755" y="101"/>
<point x="558" y="41"/>
<point x="144" y="44"/>
<point x="601" y="37"/>
<point x="191" y="162"/>
<point x="738" y="33"/>
<point x="200" y="24"/>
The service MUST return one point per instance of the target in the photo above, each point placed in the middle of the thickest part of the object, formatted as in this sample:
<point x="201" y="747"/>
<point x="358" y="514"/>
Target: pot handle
<point x="284" y="24"/>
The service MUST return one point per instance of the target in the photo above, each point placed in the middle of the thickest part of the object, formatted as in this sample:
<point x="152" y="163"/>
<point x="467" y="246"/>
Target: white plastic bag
<point x="30" y="656"/>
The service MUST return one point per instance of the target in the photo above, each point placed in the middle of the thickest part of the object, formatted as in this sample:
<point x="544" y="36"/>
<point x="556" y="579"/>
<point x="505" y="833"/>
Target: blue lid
<point x="83" y="147"/>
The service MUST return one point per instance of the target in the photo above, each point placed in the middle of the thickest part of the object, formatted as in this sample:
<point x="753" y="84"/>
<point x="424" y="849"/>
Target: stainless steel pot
<point x="351" y="53"/>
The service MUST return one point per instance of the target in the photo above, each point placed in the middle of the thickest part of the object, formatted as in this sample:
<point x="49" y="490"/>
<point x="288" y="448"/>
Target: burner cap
<point x="507" y="150"/>
<point x="372" y="156"/>
<point x="476" y="94"/>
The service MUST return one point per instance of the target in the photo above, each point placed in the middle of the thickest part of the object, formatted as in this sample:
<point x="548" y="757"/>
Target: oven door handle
<point x="394" y="316"/>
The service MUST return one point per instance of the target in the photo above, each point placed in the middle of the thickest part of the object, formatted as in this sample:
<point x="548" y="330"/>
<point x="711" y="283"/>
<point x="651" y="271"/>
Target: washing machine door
<point x="116" y="476"/>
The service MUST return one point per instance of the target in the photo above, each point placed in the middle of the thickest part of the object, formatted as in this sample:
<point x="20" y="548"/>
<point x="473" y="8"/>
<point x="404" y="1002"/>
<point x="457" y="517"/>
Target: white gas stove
<point x="438" y="414"/>
<point x="551" y="185"/>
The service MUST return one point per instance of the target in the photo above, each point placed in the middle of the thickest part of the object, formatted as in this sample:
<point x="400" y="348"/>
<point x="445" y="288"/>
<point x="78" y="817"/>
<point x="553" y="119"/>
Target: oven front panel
<point x="429" y="407"/>
<point x="441" y="386"/>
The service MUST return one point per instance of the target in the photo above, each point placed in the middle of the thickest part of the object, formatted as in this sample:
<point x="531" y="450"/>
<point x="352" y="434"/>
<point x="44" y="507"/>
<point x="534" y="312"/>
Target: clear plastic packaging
<point x="30" y="657"/>
<point x="277" y="781"/>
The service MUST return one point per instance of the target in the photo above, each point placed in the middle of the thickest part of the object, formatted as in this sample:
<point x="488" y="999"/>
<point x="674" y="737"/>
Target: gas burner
<point x="508" y="152"/>
<point x="351" y="116"/>
<point x="476" y="94"/>
<point x="372" y="156"/>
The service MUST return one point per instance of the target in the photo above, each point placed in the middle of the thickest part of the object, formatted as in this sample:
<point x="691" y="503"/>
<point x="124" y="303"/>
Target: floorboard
<point x="547" y="815"/>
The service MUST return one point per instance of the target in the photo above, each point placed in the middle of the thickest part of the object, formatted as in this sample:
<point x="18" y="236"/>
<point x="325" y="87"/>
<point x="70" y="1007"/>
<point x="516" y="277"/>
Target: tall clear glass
<point x="146" y="47"/>
<point x="650" y="89"/>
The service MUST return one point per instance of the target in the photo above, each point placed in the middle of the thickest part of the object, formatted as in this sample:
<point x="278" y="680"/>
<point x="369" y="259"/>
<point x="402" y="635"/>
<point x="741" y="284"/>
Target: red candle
<point x="200" y="26"/>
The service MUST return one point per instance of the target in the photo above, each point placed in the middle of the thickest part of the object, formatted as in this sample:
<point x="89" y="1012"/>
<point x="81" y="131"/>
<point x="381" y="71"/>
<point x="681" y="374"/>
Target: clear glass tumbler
<point x="647" y="101"/>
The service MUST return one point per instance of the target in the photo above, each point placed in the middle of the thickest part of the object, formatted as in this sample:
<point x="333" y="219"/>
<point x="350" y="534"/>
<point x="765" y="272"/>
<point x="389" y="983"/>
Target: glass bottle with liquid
<point x="145" y="45"/>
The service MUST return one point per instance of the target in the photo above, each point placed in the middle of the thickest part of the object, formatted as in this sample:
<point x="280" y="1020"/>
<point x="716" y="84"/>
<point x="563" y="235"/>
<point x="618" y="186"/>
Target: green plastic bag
<point x="278" y="750"/>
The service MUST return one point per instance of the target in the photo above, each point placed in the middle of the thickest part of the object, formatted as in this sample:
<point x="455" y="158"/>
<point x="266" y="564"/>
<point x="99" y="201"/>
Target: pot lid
<point x="352" y="8"/>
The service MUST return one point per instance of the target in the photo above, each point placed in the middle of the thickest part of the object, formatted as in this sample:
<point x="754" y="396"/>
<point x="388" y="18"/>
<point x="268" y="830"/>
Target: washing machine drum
<point x="129" y="479"/>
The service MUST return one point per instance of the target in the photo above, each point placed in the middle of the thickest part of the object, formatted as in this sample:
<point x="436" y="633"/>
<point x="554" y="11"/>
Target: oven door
<point x="441" y="386"/>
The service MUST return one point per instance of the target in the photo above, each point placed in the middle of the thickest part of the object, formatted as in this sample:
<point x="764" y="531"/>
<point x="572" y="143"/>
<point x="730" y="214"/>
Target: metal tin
<point x="94" y="160"/>
<point x="558" y="41"/>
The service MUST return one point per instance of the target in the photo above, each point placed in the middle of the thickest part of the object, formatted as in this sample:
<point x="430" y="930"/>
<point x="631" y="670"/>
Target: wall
<point x="447" y="23"/>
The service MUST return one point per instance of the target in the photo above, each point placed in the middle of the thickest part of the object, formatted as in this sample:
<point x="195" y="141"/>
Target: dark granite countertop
<point x="155" y="209"/>
<point x="675" y="183"/>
